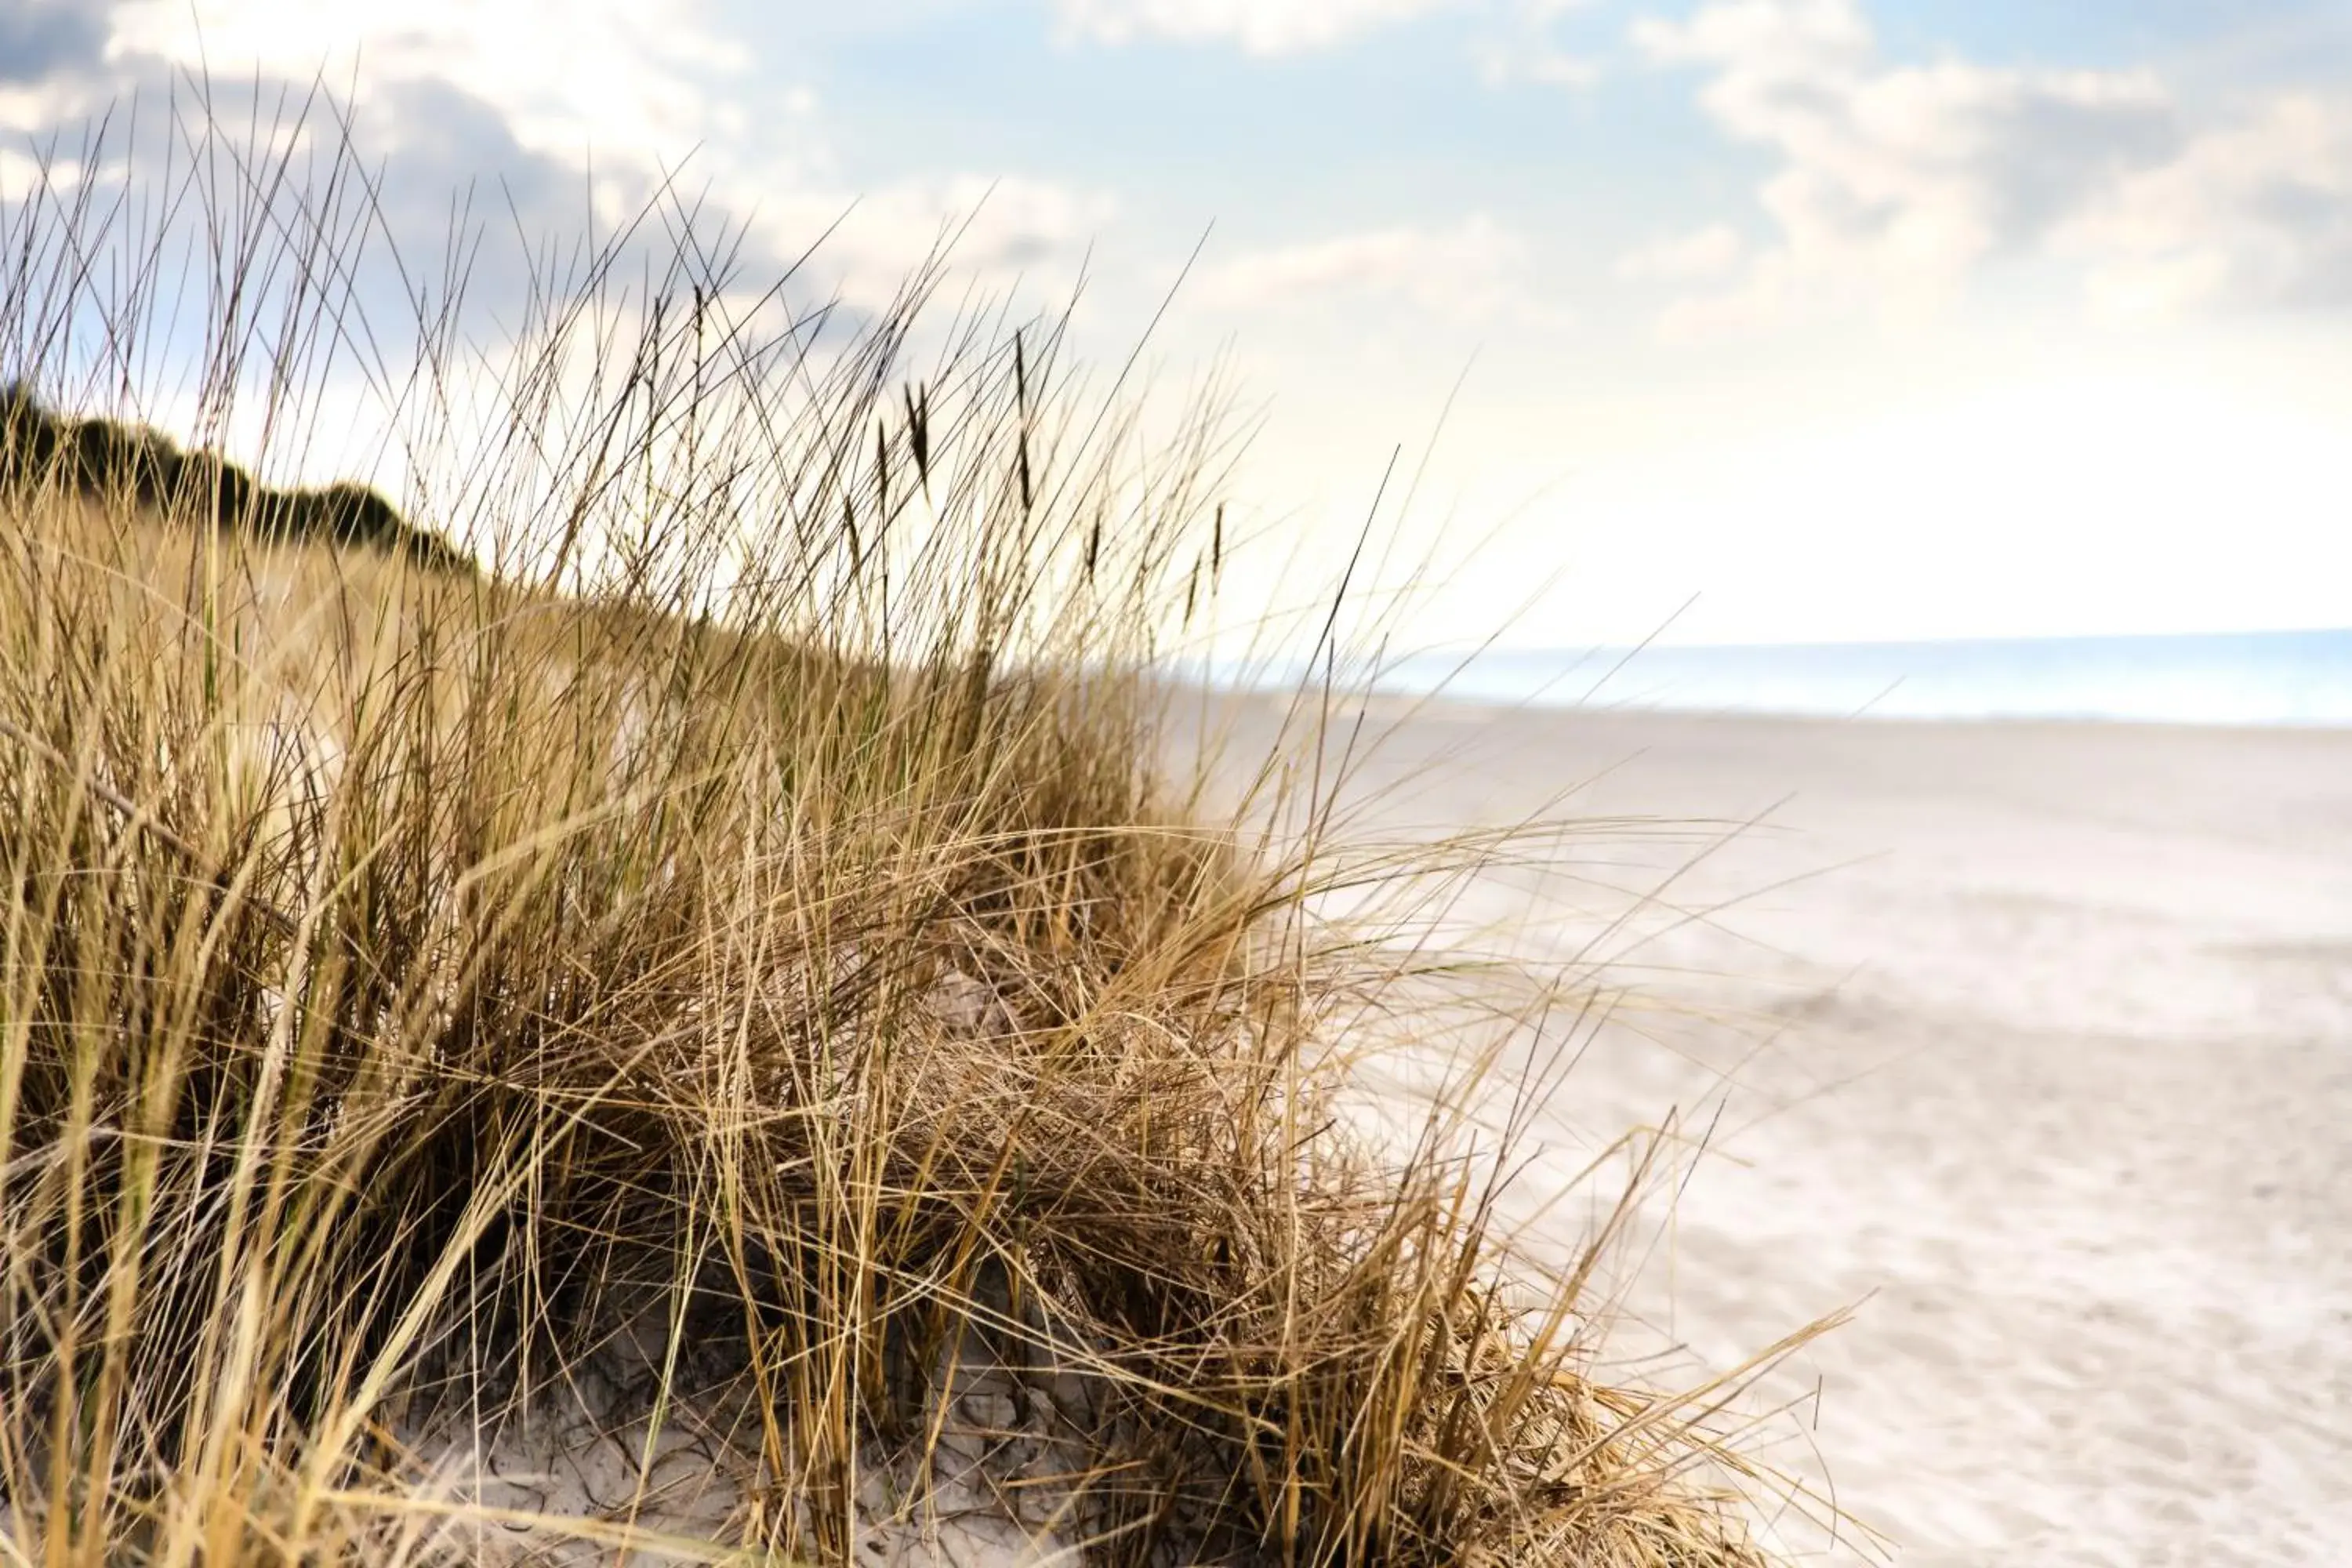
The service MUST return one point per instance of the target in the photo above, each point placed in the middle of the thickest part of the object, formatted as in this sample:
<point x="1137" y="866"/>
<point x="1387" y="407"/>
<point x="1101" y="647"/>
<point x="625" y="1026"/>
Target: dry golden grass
<point x="412" y="984"/>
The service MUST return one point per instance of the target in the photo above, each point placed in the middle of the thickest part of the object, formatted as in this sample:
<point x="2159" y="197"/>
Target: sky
<point x="1720" y="320"/>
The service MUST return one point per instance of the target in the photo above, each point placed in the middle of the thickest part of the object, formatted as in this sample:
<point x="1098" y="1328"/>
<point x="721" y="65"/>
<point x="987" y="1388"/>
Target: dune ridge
<point x="101" y="459"/>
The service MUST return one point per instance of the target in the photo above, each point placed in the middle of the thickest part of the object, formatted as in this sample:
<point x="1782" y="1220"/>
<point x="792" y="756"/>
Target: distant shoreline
<point x="2285" y="679"/>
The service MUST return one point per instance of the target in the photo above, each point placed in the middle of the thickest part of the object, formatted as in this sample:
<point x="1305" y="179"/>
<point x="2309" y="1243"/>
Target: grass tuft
<point x="735" y="980"/>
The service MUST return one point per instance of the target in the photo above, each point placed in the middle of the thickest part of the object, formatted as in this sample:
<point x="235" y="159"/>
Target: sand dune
<point x="2036" y="1041"/>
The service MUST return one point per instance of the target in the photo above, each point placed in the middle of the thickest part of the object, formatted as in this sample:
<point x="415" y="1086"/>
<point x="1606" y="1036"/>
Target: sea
<point x="2286" y="677"/>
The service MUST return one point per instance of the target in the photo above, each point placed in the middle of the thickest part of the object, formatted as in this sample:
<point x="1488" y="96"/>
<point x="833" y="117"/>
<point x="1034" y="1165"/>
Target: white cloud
<point x="1506" y="62"/>
<point x="1512" y="41"/>
<point x="1524" y="50"/>
<point x="452" y="92"/>
<point x="1474" y="269"/>
<point x="33" y="110"/>
<point x="998" y="230"/>
<point x="1257" y="27"/>
<point x="2256" y="213"/>
<point x="1543" y="66"/>
<point x="1895" y="182"/>
<point x="1703" y="255"/>
<point x="1892" y="183"/>
<point x="21" y="173"/>
<point x="631" y="80"/>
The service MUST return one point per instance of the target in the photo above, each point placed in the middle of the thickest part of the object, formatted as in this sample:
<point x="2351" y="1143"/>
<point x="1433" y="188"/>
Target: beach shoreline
<point x="2027" y="1039"/>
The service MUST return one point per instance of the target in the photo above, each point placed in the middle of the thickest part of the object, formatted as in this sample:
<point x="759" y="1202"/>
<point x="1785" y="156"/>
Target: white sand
<point x="989" y="1493"/>
<point x="2055" y="1078"/>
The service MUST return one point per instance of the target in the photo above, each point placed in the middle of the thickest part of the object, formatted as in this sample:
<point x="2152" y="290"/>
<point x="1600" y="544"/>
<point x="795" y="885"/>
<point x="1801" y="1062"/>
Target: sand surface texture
<point x="2043" y="1056"/>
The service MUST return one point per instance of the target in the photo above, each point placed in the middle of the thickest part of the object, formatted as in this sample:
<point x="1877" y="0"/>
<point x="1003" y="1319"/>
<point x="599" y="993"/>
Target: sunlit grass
<point x="748" y="931"/>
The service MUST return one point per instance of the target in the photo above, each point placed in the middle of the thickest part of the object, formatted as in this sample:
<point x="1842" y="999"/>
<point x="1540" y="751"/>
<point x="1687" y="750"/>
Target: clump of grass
<point x="751" y="922"/>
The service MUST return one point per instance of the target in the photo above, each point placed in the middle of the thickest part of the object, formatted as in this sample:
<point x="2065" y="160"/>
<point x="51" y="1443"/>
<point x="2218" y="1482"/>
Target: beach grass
<point x="722" y="911"/>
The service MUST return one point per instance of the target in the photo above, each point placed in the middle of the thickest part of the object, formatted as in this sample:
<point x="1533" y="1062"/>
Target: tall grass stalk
<point x="749" y="918"/>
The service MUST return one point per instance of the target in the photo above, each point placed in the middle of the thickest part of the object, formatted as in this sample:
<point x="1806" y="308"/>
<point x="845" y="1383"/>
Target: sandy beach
<point x="2032" y="1042"/>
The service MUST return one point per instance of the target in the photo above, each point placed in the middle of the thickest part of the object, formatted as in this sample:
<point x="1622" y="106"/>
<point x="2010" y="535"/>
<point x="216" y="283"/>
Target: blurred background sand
<point x="2035" y="1041"/>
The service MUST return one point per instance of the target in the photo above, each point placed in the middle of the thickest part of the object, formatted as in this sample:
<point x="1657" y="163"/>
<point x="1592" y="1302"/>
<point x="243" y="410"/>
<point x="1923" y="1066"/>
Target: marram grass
<point x="751" y="917"/>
